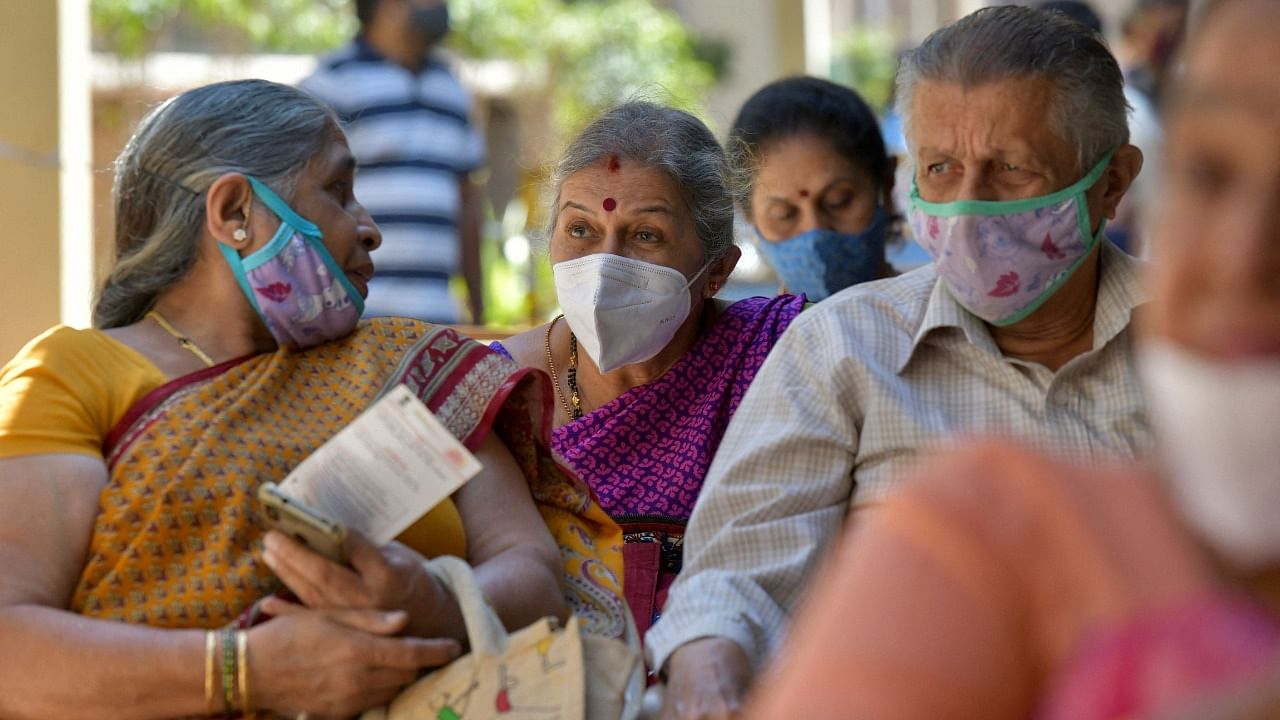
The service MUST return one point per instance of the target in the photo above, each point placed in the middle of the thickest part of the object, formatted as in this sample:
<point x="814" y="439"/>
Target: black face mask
<point x="431" y="23"/>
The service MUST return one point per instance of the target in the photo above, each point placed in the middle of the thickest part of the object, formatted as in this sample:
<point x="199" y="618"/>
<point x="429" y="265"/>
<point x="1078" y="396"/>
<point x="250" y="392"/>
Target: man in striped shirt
<point x="407" y="120"/>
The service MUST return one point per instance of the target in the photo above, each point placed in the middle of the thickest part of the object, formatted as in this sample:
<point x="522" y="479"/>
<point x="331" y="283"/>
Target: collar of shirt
<point x="1119" y="292"/>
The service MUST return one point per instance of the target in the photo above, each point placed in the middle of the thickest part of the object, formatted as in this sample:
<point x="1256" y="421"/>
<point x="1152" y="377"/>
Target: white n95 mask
<point x="622" y="311"/>
<point x="1218" y="425"/>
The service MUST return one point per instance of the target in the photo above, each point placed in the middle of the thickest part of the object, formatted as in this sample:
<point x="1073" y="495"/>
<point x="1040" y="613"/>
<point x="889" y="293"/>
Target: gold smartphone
<point x="303" y="524"/>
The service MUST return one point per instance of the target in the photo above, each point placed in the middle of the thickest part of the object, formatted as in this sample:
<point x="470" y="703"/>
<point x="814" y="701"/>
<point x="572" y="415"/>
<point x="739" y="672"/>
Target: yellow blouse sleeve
<point x="66" y="390"/>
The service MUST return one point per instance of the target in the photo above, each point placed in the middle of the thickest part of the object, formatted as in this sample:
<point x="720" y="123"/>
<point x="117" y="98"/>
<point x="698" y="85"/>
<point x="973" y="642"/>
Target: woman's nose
<point x="810" y="220"/>
<point x="367" y="230"/>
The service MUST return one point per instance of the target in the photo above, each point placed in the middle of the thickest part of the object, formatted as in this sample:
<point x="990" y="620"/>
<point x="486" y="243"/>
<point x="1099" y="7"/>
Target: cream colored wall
<point x="29" y="177"/>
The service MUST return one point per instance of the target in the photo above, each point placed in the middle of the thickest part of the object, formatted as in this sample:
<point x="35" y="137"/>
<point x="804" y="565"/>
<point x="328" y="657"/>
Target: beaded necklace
<point x="573" y="405"/>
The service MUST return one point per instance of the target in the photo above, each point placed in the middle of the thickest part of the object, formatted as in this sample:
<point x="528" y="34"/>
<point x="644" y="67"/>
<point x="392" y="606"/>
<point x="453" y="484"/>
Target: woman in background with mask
<point x="1004" y="584"/>
<point x="648" y="366"/>
<point x="819" y="184"/>
<point x="228" y="347"/>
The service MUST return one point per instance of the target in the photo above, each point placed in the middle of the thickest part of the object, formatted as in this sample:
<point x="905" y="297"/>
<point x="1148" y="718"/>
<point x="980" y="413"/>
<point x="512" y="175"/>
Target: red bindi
<point x="610" y="204"/>
<point x="614" y="165"/>
<point x="804" y="193"/>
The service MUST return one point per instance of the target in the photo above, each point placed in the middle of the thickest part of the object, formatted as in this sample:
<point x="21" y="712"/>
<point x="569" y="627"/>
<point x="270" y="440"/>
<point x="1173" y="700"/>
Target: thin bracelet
<point x="242" y="664"/>
<point x="210" y="661"/>
<point x="229" y="670"/>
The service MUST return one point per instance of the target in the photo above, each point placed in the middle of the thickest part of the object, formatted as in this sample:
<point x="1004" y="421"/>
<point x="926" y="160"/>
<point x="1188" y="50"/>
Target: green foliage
<point x="133" y="27"/>
<point x="595" y="53"/>
<point x="865" y="60"/>
<point x="598" y="53"/>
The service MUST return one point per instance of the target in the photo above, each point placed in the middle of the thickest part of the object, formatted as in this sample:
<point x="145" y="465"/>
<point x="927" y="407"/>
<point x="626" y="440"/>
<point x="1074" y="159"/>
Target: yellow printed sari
<point x="177" y="541"/>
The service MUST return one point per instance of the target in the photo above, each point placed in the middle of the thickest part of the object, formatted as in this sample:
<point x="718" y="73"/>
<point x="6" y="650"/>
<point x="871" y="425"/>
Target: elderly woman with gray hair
<point x="648" y="366"/>
<point x="228" y="347"/>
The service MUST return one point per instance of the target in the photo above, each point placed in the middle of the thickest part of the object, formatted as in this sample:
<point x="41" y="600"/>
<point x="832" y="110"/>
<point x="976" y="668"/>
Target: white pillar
<point x="817" y="37"/>
<point x="75" y="202"/>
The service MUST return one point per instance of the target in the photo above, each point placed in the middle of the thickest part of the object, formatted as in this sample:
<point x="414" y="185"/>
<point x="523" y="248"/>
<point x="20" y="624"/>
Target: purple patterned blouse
<point x="646" y="453"/>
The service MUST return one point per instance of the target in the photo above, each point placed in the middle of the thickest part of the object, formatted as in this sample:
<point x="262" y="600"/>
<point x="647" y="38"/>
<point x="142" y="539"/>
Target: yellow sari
<point x="177" y="541"/>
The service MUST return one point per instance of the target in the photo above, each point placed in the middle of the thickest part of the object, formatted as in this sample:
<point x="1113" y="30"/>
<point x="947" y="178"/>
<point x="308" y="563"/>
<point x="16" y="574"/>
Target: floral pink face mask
<point x="298" y="289"/>
<point x="1003" y="260"/>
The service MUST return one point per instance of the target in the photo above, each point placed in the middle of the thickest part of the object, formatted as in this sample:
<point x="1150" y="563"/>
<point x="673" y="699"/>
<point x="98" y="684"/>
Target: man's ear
<point x="1118" y="178"/>
<point x="228" y="209"/>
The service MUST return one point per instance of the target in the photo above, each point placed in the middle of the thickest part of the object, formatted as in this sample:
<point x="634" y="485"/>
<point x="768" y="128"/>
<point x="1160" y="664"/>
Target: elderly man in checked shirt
<point x="1017" y="127"/>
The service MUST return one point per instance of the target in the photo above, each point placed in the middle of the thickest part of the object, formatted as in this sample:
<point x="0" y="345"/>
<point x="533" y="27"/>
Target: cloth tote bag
<point x="541" y="672"/>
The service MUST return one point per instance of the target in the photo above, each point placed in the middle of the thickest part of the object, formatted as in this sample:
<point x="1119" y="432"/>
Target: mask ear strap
<point x="281" y="209"/>
<point x="697" y="275"/>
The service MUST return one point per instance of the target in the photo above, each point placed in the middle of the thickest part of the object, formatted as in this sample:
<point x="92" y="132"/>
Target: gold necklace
<point x="183" y="340"/>
<point x="574" y="412"/>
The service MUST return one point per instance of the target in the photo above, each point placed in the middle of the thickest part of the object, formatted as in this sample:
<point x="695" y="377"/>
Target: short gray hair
<point x="1000" y="43"/>
<point x="669" y="140"/>
<point x="255" y="127"/>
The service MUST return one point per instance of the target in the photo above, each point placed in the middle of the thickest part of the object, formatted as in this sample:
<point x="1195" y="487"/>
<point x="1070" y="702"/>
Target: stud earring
<point x="715" y="287"/>
<point x="240" y="235"/>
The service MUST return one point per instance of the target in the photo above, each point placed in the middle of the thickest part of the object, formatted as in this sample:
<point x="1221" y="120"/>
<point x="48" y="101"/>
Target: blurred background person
<point x="1004" y="584"/>
<point x="1150" y="36"/>
<point x="649" y="366"/>
<point x="408" y="121"/>
<point x="818" y="184"/>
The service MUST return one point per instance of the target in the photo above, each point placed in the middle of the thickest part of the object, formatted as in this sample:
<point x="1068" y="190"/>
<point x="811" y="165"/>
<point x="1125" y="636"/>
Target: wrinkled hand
<point x="335" y="663"/>
<point x="707" y="679"/>
<point x="386" y="578"/>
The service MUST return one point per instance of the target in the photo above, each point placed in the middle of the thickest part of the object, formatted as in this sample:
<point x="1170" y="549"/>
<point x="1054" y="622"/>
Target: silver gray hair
<point x="255" y="127"/>
<point x="669" y="140"/>
<point x="1001" y="43"/>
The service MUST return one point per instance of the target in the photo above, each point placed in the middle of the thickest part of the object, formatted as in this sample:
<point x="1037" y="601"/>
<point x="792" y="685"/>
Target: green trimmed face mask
<point x="1003" y="260"/>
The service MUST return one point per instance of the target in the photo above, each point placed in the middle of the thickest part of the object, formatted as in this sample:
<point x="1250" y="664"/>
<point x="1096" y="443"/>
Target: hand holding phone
<point x="303" y="524"/>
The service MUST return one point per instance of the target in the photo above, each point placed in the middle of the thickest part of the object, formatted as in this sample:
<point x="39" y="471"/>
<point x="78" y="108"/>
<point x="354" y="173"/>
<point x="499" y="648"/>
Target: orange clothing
<point x="967" y="593"/>
<point x="66" y="389"/>
<point x="177" y="540"/>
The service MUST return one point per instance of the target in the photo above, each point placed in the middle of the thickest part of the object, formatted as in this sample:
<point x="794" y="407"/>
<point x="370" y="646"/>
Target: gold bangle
<point x="228" y="670"/>
<point x="242" y="667"/>
<point x="210" y="653"/>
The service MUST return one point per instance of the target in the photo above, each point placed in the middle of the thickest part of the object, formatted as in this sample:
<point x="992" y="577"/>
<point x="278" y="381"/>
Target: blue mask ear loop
<point x="236" y="263"/>
<point x="291" y="221"/>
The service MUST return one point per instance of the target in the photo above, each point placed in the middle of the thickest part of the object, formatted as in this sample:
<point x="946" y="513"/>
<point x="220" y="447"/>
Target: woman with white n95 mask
<point x="647" y="365"/>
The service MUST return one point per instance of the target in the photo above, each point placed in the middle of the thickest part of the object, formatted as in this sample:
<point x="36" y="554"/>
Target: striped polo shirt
<point x="413" y="139"/>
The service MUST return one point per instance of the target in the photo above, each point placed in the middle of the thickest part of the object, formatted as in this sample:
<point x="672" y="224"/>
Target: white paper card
<point x="385" y="470"/>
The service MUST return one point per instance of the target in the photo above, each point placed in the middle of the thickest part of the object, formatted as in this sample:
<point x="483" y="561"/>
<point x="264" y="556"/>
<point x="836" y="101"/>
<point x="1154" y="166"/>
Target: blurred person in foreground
<point x="649" y="365"/>
<point x="408" y="121"/>
<point x="1020" y="326"/>
<point x="1004" y="583"/>
<point x="819" y="184"/>
<point x="229" y="347"/>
